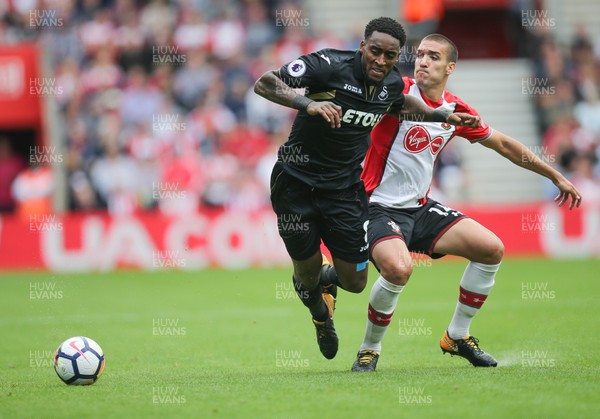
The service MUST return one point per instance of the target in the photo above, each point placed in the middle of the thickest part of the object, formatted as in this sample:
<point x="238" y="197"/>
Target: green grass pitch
<point x="238" y="344"/>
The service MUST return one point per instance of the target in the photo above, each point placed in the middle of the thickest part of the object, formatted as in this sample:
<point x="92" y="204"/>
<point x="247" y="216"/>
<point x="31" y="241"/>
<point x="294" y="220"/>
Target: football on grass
<point x="79" y="361"/>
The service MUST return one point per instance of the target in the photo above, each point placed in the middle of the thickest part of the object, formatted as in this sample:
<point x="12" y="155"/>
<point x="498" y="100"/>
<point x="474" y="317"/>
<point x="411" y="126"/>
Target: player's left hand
<point x="567" y="190"/>
<point x="464" y="119"/>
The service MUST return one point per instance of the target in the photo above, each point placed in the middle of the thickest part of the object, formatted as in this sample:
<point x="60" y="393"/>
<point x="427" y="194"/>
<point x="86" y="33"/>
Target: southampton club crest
<point x="394" y="226"/>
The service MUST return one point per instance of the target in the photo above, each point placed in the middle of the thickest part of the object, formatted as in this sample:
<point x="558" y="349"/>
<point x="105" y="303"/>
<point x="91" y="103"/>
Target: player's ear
<point x="450" y="68"/>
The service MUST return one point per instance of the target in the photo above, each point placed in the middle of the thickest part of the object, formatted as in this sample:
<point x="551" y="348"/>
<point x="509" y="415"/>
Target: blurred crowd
<point x="157" y="107"/>
<point x="157" y="102"/>
<point x="567" y="92"/>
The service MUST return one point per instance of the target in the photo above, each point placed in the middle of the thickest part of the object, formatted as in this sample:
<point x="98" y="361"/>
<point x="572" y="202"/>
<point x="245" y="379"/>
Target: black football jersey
<point x="325" y="157"/>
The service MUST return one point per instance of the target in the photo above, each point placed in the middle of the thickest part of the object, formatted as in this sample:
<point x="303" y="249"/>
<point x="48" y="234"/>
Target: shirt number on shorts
<point x="444" y="211"/>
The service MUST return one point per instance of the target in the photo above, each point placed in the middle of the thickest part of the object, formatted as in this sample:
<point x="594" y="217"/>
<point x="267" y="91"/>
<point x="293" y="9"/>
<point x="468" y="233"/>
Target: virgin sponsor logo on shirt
<point x="417" y="139"/>
<point x="436" y="145"/>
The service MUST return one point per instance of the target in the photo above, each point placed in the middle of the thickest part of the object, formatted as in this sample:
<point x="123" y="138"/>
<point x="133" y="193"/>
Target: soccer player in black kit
<point x="316" y="190"/>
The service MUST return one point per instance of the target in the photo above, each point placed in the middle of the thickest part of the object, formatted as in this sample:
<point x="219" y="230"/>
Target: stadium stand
<point x="157" y="96"/>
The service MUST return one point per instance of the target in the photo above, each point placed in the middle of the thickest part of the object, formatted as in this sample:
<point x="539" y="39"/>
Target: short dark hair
<point x="386" y="25"/>
<point x="452" y="50"/>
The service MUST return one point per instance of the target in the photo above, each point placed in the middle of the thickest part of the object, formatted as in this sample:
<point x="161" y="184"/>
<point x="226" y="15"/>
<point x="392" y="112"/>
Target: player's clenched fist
<point x="464" y="119"/>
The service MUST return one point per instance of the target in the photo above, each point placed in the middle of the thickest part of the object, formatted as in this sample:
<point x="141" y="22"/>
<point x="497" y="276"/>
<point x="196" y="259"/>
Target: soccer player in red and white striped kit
<point x="397" y="174"/>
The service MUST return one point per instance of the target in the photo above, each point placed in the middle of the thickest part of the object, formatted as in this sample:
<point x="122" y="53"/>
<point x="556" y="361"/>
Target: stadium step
<point x="495" y="89"/>
<point x="339" y="16"/>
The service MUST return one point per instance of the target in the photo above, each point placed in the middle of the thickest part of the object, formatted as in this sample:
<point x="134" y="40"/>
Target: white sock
<point x="475" y="286"/>
<point x="382" y="303"/>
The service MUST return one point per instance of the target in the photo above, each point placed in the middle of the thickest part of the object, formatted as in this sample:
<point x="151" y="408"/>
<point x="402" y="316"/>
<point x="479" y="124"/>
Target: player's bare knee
<point x="493" y="252"/>
<point x="355" y="284"/>
<point x="498" y="252"/>
<point x="397" y="272"/>
<point x="307" y="277"/>
<point x="358" y="286"/>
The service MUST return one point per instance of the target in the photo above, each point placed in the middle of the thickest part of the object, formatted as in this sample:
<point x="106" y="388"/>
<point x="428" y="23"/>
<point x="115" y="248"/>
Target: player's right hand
<point x="331" y="112"/>
<point x="464" y="119"/>
<point x="566" y="191"/>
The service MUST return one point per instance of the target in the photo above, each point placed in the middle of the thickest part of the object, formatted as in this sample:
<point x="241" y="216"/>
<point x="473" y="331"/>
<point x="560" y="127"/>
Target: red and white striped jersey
<point x="398" y="168"/>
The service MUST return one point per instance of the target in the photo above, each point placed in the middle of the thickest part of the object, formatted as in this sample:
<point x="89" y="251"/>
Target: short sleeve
<point x="407" y="82"/>
<point x="313" y="69"/>
<point x="473" y="135"/>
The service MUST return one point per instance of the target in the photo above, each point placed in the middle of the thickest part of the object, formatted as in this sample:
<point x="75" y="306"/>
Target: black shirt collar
<point x="358" y="71"/>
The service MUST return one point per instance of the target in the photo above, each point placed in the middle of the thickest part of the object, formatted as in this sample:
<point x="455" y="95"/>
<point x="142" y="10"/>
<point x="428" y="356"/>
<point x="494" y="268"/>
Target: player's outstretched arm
<point x="520" y="155"/>
<point x="271" y="87"/>
<point x="415" y="110"/>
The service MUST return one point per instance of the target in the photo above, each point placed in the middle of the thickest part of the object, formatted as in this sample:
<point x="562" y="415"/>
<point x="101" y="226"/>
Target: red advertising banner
<point x="20" y="103"/>
<point x="79" y="243"/>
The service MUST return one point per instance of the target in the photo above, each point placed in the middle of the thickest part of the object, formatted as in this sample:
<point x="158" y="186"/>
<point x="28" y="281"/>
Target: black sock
<point x="313" y="300"/>
<point x="328" y="276"/>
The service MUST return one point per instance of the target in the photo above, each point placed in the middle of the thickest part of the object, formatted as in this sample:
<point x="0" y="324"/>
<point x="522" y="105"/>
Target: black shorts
<point x="420" y="228"/>
<point x="305" y="215"/>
